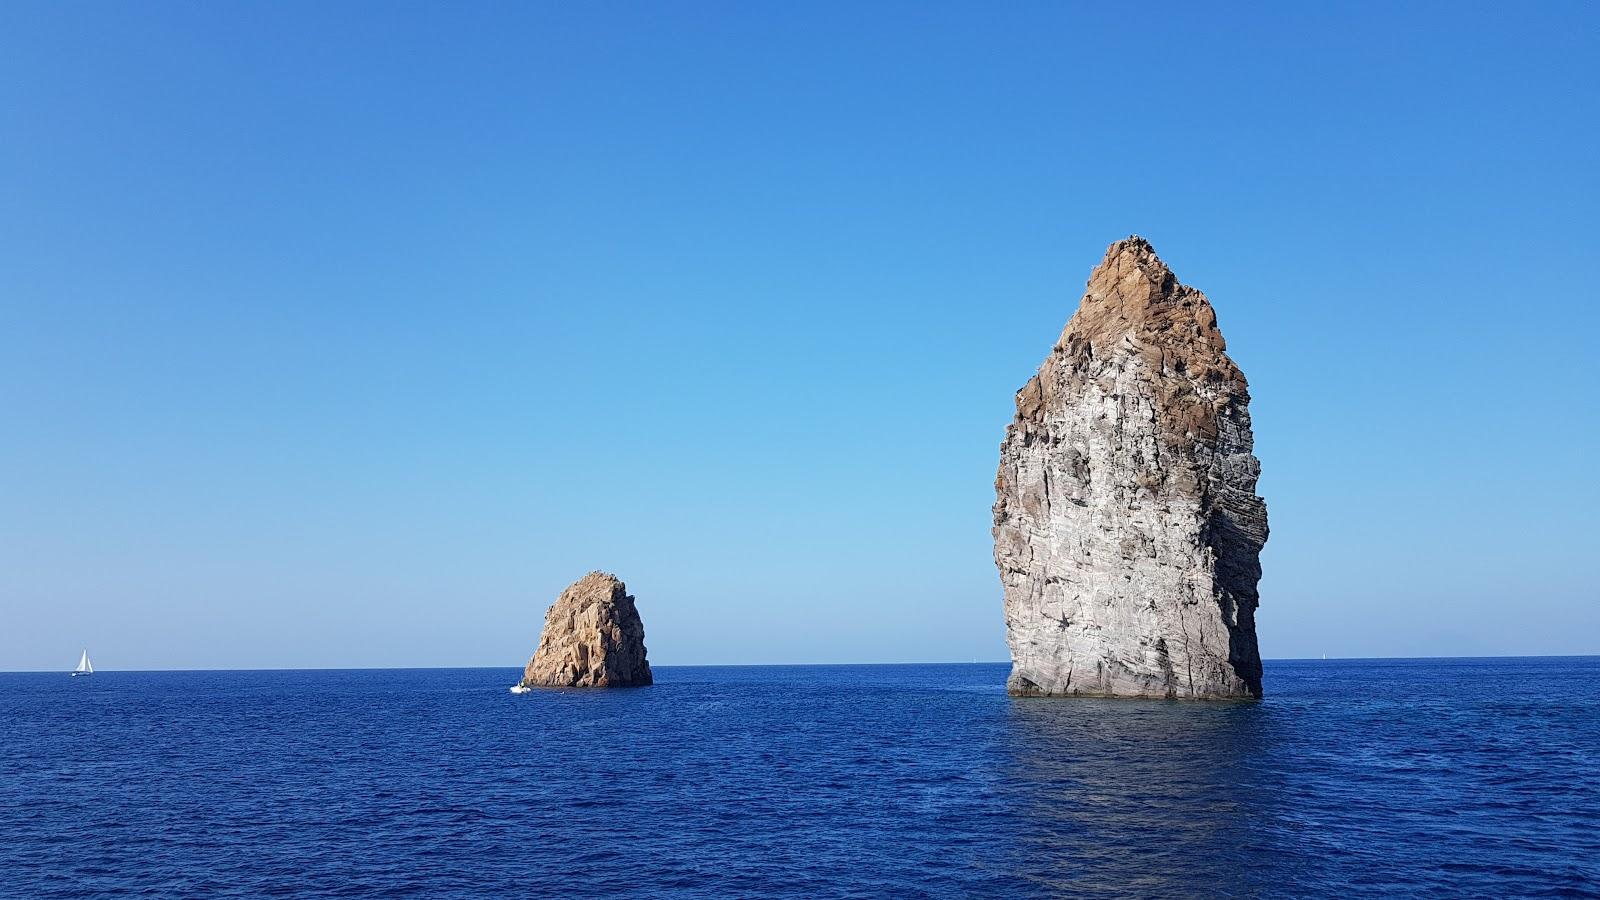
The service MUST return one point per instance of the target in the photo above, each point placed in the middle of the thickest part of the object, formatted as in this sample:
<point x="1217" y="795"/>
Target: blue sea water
<point x="1462" y="777"/>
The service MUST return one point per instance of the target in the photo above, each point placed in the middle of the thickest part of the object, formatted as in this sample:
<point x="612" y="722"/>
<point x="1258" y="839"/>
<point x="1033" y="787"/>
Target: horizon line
<point x="1282" y="659"/>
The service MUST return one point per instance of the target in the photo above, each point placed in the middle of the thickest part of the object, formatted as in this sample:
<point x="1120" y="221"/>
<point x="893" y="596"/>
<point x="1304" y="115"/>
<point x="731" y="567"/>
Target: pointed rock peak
<point x="1132" y="283"/>
<point x="1133" y="258"/>
<point x="1132" y="296"/>
<point x="593" y="637"/>
<point x="1133" y="247"/>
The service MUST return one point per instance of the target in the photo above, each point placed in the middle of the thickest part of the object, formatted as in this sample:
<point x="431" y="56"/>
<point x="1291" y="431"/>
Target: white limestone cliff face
<point x="1127" y="528"/>
<point x="593" y="637"/>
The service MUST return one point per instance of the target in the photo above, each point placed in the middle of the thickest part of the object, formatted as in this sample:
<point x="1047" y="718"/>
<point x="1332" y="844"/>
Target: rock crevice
<point x="1127" y="528"/>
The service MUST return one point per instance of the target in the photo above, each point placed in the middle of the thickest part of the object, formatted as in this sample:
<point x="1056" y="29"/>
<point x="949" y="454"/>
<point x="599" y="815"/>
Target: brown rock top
<point x="593" y="637"/>
<point x="1134" y="305"/>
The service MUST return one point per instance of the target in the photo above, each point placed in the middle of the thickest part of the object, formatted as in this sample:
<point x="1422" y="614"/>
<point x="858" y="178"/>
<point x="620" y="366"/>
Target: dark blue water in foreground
<point x="1453" y="777"/>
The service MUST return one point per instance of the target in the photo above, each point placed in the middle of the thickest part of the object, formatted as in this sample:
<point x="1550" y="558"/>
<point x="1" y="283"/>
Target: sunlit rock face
<point x="593" y="637"/>
<point x="1126" y="524"/>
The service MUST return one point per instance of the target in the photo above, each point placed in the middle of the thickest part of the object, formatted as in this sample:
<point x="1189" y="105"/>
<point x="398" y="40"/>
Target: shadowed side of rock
<point x="593" y="637"/>
<point x="1127" y="528"/>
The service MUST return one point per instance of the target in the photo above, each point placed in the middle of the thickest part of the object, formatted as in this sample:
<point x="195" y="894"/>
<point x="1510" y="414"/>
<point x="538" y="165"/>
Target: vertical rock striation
<point x="593" y="637"/>
<point x="1126" y="524"/>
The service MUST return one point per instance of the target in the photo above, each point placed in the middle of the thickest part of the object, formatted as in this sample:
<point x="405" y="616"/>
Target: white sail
<point x="84" y="665"/>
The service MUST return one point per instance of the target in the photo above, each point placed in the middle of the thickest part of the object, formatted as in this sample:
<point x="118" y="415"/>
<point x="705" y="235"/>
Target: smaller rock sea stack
<point x="593" y="637"/>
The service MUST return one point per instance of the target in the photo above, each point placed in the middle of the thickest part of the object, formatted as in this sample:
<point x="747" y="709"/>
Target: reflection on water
<point x="1120" y="797"/>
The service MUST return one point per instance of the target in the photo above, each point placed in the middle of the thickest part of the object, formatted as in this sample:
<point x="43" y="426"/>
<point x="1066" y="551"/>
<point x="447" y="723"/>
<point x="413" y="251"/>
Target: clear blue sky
<point x="348" y="334"/>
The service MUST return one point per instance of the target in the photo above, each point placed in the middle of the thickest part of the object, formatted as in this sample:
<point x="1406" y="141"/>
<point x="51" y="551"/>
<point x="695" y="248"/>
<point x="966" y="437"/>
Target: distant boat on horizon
<point x="84" y="666"/>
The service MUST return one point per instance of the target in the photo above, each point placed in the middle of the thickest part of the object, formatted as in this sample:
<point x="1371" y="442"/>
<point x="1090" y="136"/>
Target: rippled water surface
<point x="1458" y="777"/>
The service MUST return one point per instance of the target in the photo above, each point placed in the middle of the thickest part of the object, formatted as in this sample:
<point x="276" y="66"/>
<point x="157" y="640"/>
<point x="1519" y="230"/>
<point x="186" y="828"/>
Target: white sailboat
<point x="84" y="666"/>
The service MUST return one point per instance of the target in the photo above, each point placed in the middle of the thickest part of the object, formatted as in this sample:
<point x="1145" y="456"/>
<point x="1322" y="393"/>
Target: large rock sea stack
<point x="593" y="637"/>
<point x="1126" y="523"/>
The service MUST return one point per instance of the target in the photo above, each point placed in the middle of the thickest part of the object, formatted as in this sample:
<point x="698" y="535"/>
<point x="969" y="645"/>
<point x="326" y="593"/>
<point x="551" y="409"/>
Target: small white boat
<point x="84" y="666"/>
<point x="520" y="689"/>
